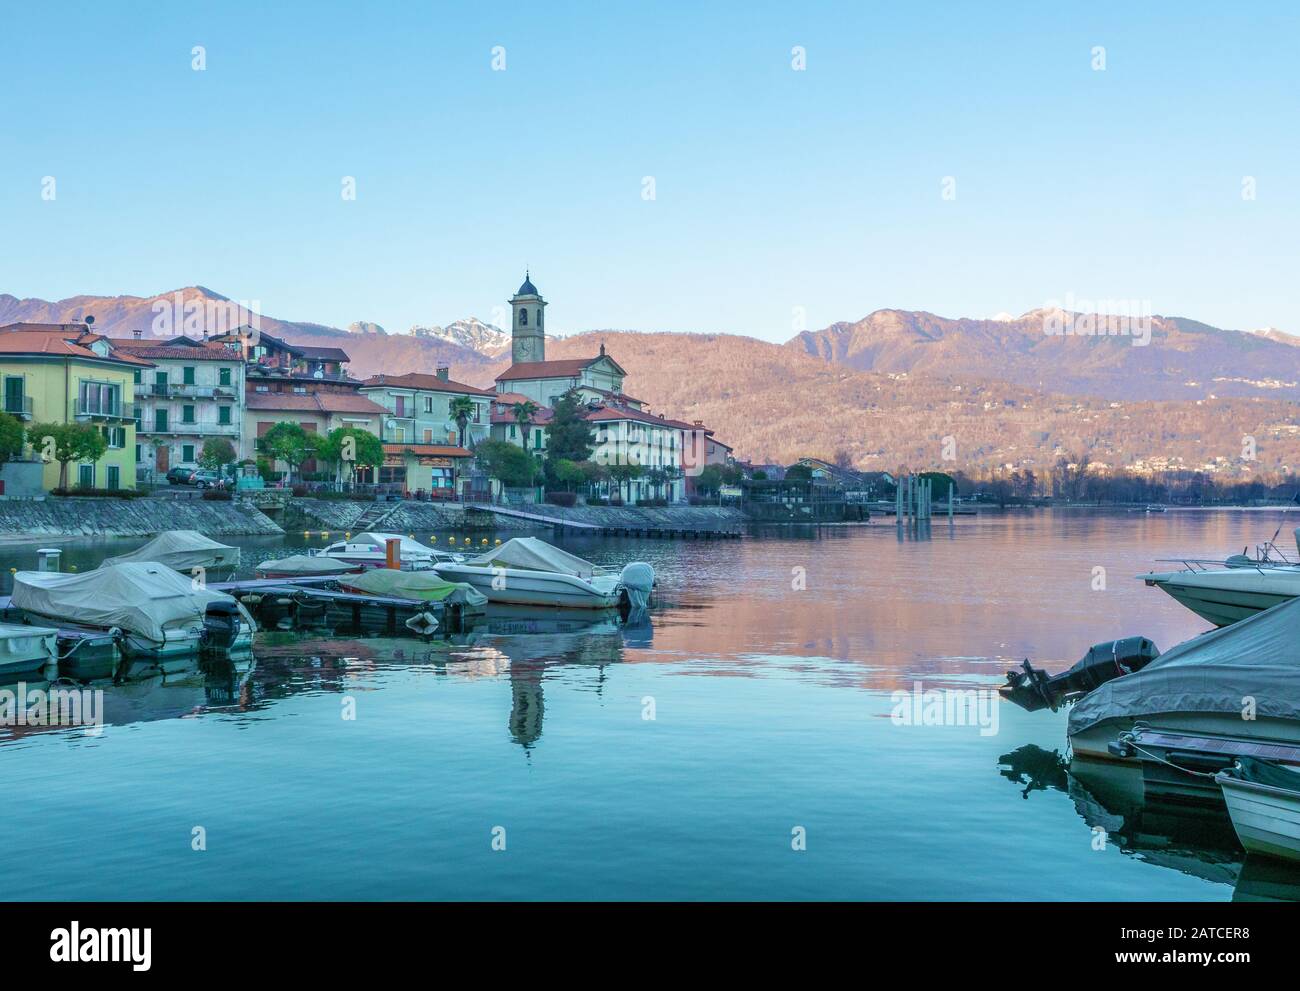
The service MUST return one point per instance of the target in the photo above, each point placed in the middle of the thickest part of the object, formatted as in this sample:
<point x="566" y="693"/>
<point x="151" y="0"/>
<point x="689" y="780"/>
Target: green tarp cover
<point x="425" y="585"/>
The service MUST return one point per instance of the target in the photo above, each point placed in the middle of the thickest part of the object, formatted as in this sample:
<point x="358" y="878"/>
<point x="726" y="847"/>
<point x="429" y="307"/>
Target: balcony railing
<point x="83" y="410"/>
<point x="19" y="406"/>
<point x="181" y="390"/>
<point x="180" y="427"/>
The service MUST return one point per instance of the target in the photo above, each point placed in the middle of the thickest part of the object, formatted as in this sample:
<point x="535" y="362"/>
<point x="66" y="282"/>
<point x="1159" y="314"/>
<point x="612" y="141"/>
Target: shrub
<point x="216" y="495"/>
<point x="100" y="493"/>
<point x="300" y="490"/>
<point x="615" y="500"/>
<point x="562" y="498"/>
<point x="597" y="501"/>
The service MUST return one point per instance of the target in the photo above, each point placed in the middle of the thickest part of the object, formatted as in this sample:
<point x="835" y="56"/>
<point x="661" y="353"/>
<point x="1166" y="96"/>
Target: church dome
<point x="527" y="289"/>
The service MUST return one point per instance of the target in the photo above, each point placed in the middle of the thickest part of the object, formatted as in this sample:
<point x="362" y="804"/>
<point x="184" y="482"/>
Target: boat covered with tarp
<point x="427" y="586"/>
<point x="1239" y="684"/>
<point x="160" y="612"/>
<point x="528" y="571"/>
<point x="183" y="550"/>
<point x="1263" y="799"/>
<point x="305" y="566"/>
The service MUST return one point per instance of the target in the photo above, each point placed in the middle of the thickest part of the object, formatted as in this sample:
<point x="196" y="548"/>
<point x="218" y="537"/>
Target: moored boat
<point x="159" y="612"/>
<point x="306" y="566"/>
<point x="184" y="550"/>
<point x="1263" y="800"/>
<point x="1227" y="595"/>
<point x="26" y="650"/>
<point x="426" y="586"/>
<point x="370" y="550"/>
<point x="530" y="572"/>
<point x="1190" y="712"/>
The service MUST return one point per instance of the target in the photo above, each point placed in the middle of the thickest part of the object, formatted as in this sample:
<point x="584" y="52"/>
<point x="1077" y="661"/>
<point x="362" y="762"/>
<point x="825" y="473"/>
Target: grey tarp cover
<point x="307" y="566"/>
<point x="182" y="550"/>
<point x="1258" y="656"/>
<point x="531" y="554"/>
<point x="140" y="598"/>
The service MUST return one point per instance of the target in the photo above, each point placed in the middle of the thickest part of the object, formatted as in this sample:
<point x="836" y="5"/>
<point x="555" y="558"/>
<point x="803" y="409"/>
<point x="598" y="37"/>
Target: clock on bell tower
<point x="527" y="333"/>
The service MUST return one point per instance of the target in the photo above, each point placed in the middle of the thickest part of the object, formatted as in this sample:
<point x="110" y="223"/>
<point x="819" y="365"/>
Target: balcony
<point x="83" y="410"/>
<point x="19" y="406"/>
<point x="181" y="390"/>
<point x="181" y="429"/>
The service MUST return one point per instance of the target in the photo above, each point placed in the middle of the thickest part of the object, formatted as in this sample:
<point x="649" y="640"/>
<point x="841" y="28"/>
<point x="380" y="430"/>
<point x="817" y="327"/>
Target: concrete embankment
<point x="343" y="515"/>
<point x="106" y="517"/>
<point x="643" y="517"/>
<point x="348" y="516"/>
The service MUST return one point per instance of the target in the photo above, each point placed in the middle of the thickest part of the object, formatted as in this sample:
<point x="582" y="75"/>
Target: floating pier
<point x="306" y="602"/>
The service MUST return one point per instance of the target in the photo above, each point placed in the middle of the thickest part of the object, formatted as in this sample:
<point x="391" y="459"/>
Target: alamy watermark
<point x="20" y="706"/>
<point x="946" y="707"/>
<point x="1100" y="318"/>
<point x="203" y="317"/>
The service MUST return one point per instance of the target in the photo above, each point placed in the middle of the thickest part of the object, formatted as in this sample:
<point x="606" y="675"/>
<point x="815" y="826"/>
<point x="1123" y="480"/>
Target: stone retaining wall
<point x="108" y="517"/>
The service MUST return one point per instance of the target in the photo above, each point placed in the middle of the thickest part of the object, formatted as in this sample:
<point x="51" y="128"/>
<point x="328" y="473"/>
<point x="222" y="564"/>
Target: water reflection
<point x="1194" y="839"/>
<point x="519" y="643"/>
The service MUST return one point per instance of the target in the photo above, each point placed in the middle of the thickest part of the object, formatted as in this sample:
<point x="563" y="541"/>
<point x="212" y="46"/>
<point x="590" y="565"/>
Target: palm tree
<point x="462" y="408"/>
<point x="523" y="414"/>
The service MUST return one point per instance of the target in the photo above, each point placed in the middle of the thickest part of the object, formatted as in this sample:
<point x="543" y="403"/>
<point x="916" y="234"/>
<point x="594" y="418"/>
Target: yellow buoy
<point x="498" y="541"/>
<point x="324" y="533"/>
<point x="451" y="540"/>
<point x="433" y="538"/>
<point x="485" y="541"/>
<point x="306" y="533"/>
<point x="347" y="535"/>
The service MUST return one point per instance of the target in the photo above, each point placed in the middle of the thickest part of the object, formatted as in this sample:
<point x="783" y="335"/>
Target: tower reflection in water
<point x="1193" y="838"/>
<point x="516" y="642"/>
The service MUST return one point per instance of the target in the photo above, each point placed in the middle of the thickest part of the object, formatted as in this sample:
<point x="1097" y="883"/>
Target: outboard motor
<point x="1032" y="689"/>
<point x="638" y="580"/>
<point x="220" y="625"/>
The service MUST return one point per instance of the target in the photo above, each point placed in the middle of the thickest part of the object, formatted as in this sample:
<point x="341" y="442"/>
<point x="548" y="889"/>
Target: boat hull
<point x="536" y="588"/>
<point x="1226" y="597"/>
<point x="1267" y="820"/>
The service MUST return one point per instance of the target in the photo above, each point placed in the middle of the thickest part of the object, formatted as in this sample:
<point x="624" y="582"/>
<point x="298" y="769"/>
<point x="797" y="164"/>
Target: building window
<point x="223" y="376"/>
<point x="512" y="431"/>
<point x="399" y="435"/>
<point x="98" y="398"/>
<point x="114" y="477"/>
<point x="115" y="436"/>
<point x="537" y="440"/>
<point x="223" y="415"/>
<point x="187" y="375"/>
<point x="137" y="453"/>
<point x="428" y="435"/>
<point x="86" y="476"/>
<point x="160" y="421"/>
<point x="187" y="452"/>
<point x="136" y="377"/>
<point x="15" y="397"/>
<point x="428" y="404"/>
<point x="523" y="318"/>
<point x="261" y="388"/>
<point x="187" y="414"/>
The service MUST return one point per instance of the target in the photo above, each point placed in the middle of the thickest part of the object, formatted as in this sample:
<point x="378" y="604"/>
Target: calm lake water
<point x="772" y="712"/>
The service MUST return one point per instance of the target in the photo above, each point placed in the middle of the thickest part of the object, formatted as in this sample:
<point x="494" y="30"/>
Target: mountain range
<point x="885" y="390"/>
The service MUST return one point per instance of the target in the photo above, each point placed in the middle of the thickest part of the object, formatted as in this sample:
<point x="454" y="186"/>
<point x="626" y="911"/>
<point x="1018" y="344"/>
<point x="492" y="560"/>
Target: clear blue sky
<point x="775" y="189"/>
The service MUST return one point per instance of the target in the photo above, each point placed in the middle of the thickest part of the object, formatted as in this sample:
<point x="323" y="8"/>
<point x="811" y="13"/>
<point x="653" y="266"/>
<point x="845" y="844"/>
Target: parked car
<point x="205" y="478"/>
<point x="178" y="475"/>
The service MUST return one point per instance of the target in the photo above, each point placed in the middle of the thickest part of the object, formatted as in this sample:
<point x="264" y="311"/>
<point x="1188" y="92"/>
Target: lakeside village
<point x="246" y="415"/>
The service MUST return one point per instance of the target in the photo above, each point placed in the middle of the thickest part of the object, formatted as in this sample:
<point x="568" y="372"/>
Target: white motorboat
<point x="159" y="612"/>
<point x="1263" y="800"/>
<point x="530" y="572"/>
<point x="1226" y="595"/>
<point x="370" y="550"/>
<point x="184" y="550"/>
<point x="26" y="650"/>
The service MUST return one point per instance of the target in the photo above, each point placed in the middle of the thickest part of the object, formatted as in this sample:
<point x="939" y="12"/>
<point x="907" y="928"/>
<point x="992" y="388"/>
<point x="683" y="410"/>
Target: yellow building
<point x="65" y="373"/>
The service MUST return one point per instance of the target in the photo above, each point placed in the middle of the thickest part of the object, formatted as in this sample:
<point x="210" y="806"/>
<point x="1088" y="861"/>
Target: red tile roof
<point x="418" y="380"/>
<point x="563" y="368"/>
<point x="56" y="340"/>
<point x="320" y="402"/>
<point x="179" y="349"/>
<point x="503" y="410"/>
<point x="429" y="450"/>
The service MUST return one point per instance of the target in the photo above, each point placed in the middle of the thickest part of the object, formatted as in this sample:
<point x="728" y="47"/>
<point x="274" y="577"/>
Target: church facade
<point x="626" y="433"/>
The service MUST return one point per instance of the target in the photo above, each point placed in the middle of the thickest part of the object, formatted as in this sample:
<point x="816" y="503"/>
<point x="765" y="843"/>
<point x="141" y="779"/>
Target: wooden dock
<point x="562" y="526"/>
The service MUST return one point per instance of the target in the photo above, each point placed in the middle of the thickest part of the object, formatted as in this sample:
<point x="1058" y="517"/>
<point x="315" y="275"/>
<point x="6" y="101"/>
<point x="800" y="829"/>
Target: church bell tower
<point x="527" y="332"/>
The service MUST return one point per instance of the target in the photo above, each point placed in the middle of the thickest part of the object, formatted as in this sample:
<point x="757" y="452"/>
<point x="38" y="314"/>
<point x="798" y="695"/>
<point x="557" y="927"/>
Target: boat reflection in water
<point x="1196" y="839"/>
<point x="521" y="643"/>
